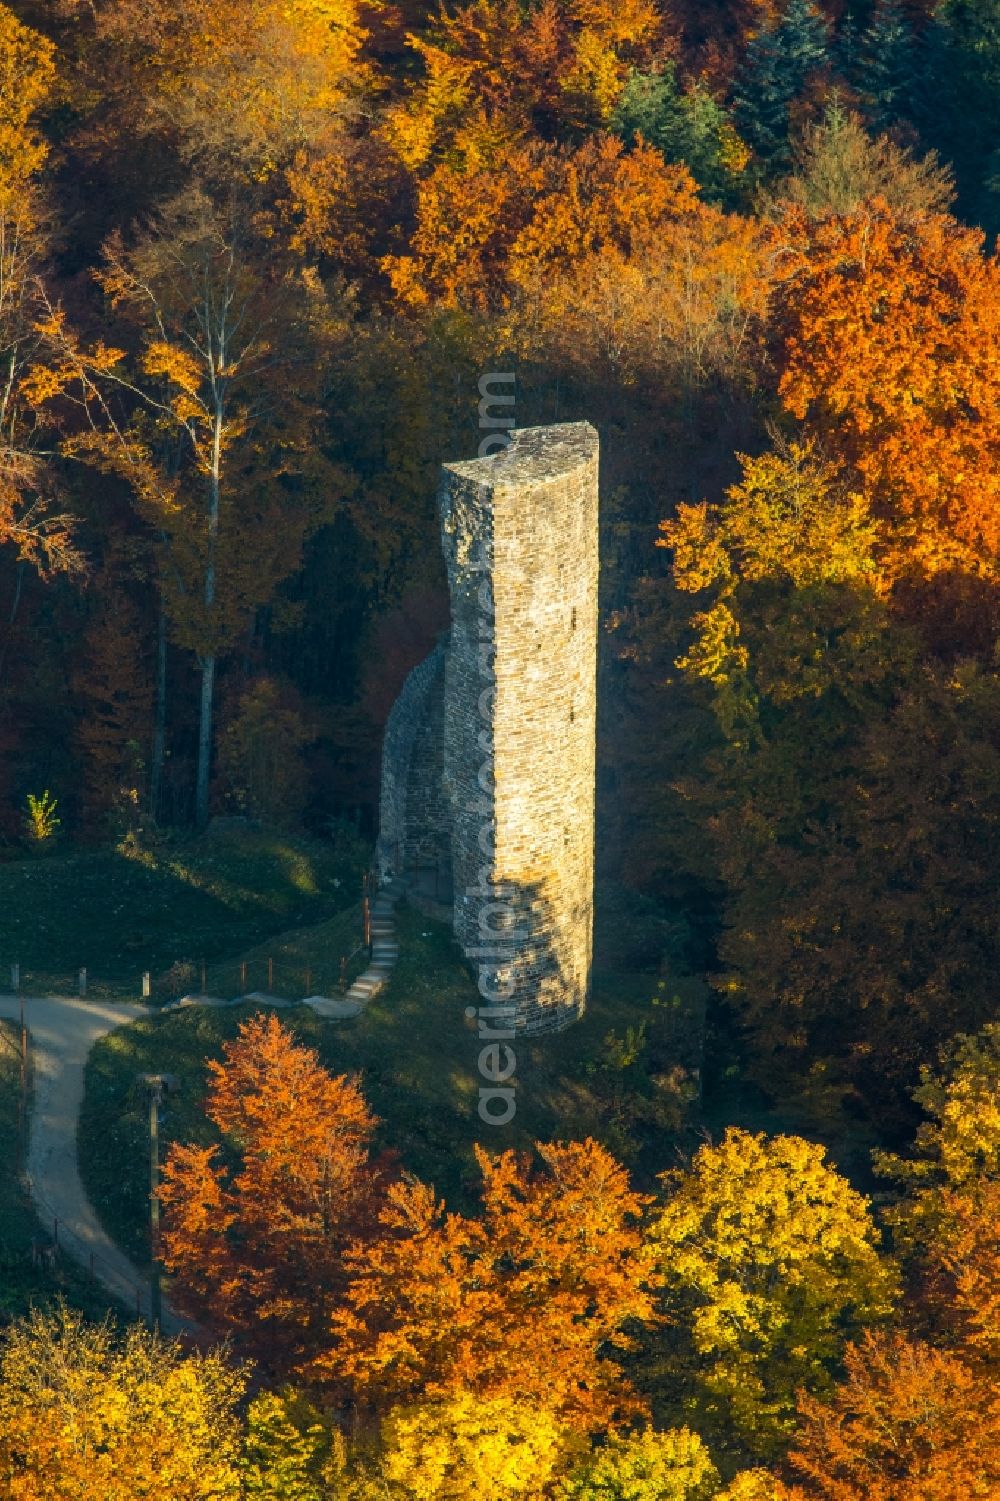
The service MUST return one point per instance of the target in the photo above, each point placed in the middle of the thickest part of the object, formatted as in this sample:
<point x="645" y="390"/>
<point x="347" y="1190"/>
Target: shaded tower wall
<point x="520" y="537"/>
<point x="414" y="818"/>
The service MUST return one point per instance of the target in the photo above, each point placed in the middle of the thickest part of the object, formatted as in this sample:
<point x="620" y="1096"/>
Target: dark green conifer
<point x="687" y="124"/>
<point x="888" y="64"/>
<point x="847" y="48"/>
<point x="779" y="61"/>
<point x="957" y="101"/>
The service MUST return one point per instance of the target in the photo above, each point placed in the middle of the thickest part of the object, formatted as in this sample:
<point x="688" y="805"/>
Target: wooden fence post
<point x="22" y="1099"/>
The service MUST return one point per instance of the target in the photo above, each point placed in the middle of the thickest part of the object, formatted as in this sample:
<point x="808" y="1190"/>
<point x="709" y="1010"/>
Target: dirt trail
<point x="63" y="1030"/>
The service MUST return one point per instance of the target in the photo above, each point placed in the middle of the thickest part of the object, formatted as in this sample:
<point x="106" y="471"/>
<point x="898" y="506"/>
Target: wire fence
<point x="270" y="975"/>
<point x="17" y="1047"/>
<point x="289" y="979"/>
<point x="58" y="1238"/>
<point x="286" y="977"/>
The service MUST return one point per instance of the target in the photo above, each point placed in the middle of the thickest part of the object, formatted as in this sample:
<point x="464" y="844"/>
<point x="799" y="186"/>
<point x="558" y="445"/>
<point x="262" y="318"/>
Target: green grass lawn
<point x="23" y="1284"/>
<point x="167" y="908"/>
<point x="302" y="961"/>
<point x="416" y="1052"/>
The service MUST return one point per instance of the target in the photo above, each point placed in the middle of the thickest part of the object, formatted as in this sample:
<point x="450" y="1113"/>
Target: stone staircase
<point x="385" y="952"/>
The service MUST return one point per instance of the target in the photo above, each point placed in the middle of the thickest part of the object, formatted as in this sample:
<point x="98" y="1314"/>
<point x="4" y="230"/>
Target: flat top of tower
<point x="533" y="454"/>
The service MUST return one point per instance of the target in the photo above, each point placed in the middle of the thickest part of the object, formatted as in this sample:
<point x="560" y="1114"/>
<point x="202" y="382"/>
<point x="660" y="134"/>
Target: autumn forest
<point x="255" y="257"/>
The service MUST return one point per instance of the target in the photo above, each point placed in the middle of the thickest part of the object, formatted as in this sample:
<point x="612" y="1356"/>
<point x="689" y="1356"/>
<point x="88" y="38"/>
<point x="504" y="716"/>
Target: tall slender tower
<point x="520" y="536"/>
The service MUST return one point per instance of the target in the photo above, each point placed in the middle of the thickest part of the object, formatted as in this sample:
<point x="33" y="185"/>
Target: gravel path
<point x="63" y="1031"/>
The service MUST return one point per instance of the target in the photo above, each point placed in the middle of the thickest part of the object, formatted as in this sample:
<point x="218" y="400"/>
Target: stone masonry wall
<point x="520" y="537"/>
<point x="405" y="751"/>
<point x="428" y="816"/>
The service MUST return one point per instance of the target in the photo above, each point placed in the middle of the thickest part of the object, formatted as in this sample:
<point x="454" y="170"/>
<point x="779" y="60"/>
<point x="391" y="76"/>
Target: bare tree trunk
<point x="204" y="741"/>
<point x="208" y="660"/>
<point x="15" y="605"/>
<point x="160" y="720"/>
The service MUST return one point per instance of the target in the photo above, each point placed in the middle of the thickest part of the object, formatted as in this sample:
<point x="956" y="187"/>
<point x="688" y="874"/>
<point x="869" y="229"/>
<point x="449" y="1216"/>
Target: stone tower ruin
<point x="489" y="756"/>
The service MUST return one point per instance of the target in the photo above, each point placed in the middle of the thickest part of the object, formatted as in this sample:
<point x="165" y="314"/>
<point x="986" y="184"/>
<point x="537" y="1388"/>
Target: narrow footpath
<point x="63" y="1030"/>
<point x="385" y="952"/>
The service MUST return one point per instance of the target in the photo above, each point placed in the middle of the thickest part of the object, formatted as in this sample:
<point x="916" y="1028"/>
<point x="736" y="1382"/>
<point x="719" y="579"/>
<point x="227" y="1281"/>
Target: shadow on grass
<point x="121" y="912"/>
<point x="416" y="1052"/>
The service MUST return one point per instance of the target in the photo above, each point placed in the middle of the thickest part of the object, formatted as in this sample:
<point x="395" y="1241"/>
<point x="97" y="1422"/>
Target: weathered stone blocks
<point x="520" y="538"/>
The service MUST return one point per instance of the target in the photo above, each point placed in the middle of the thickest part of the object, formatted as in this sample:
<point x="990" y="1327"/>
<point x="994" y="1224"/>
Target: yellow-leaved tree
<point x="671" y="1466"/>
<point x="30" y="517"/>
<point x="212" y="420"/>
<point x="958" y="1145"/>
<point x="470" y="1446"/>
<point x="246" y="80"/>
<point x="86" y="1418"/>
<point x="948" y="1224"/>
<point x="771" y="1264"/>
<point x="859" y="912"/>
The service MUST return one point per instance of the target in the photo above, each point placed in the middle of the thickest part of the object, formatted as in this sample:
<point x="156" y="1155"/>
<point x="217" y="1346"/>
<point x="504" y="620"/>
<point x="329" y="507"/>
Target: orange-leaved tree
<point x="529" y="1301"/>
<point x="238" y="82"/>
<point x="494" y="70"/>
<point x="909" y="1423"/>
<point x="30" y="517"/>
<point x="886" y="330"/>
<point x="963" y="1285"/>
<point x="255" y="1227"/>
<point x="489" y="219"/>
<point x="672" y="300"/>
